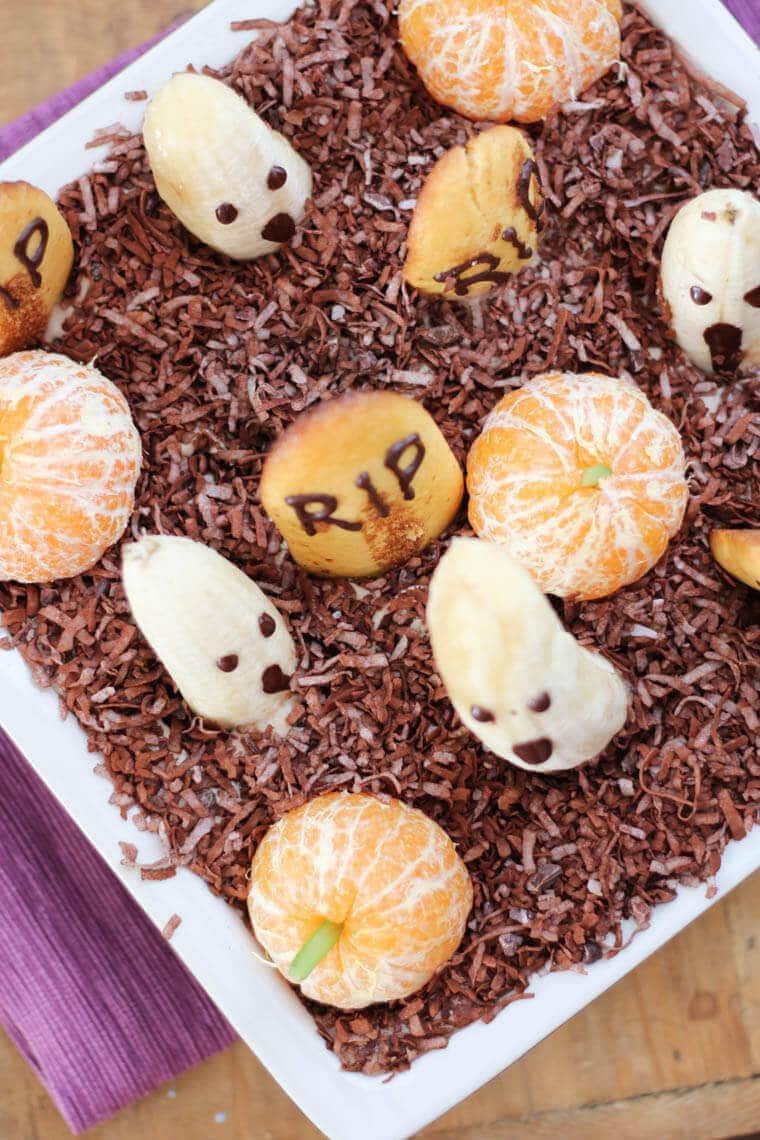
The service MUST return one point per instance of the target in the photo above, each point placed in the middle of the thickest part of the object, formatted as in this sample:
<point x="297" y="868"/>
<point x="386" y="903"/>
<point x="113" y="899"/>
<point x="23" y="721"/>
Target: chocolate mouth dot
<point x="540" y="703"/>
<point x="484" y="716"/>
<point x="279" y="228"/>
<point x="273" y="680"/>
<point x="229" y="663"/>
<point x="277" y="177"/>
<point x="226" y="213"/>
<point x="267" y="625"/>
<point x="724" y="342"/>
<point x="534" y="751"/>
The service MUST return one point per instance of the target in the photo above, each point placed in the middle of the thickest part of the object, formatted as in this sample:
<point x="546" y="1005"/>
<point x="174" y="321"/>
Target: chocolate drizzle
<point x="529" y="171"/>
<point x="228" y="663"/>
<point x="327" y="505"/>
<point x="699" y="295"/>
<point x="226" y="213"/>
<point x="524" y="252"/>
<point x="280" y="228"/>
<point x="534" y="751"/>
<point x="31" y="262"/>
<point x="405" y="474"/>
<point x="724" y="342"/>
<point x="753" y="297"/>
<point x="540" y="703"/>
<point x="273" y="680"/>
<point x="462" y="284"/>
<point x="483" y="716"/>
<point x="277" y="177"/>
<point x="378" y="502"/>
<point x="267" y="625"/>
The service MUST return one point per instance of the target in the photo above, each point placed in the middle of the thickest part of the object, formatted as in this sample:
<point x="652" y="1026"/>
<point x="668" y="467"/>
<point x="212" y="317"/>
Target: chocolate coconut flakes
<point x="217" y="358"/>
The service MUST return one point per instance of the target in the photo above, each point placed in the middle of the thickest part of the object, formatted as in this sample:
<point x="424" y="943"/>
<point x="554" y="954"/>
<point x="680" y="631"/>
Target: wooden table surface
<point x="672" y="1053"/>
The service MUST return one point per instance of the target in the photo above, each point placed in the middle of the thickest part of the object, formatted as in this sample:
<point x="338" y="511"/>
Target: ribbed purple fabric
<point x="89" y="991"/>
<point x="747" y="13"/>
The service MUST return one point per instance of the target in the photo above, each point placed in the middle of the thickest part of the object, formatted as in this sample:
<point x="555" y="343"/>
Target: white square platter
<point x="212" y="940"/>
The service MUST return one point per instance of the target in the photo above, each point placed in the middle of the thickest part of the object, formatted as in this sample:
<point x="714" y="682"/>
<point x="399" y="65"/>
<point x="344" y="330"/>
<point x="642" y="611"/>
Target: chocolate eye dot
<point x="226" y="213"/>
<point x="229" y="663"/>
<point x="484" y="716"/>
<point x="700" y="296"/>
<point x="540" y="703"/>
<point x="753" y="297"/>
<point x="277" y="177"/>
<point x="267" y="625"/>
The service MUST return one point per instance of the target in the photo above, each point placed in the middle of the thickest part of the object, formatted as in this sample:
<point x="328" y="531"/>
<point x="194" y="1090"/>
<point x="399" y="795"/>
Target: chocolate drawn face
<point x="235" y="183"/>
<point x="710" y="281"/>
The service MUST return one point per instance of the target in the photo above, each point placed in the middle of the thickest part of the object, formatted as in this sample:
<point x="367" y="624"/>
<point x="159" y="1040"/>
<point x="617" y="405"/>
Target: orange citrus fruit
<point x="69" y="459"/>
<point x="581" y="479"/>
<point x="509" y="59"/>
<point x="378" y="885"/>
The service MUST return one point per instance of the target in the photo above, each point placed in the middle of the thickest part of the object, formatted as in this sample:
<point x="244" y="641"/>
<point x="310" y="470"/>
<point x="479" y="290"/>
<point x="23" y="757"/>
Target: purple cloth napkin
<point x="89" y="991"/>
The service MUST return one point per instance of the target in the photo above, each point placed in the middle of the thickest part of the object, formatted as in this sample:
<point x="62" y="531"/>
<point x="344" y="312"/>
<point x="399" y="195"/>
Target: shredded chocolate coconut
<point x="217" y="358"/>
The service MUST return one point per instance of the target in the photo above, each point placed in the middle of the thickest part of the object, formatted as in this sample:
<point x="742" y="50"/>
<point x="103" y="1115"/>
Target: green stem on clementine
<point x="314" y="950"/>
<point x="591" y="476"/>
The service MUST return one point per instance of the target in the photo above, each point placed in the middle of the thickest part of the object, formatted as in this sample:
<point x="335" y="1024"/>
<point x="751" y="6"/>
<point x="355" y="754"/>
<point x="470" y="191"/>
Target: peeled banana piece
<point x="519" y="681"/>
<point x="235" y="183"/>
<point x="218" y="635"/>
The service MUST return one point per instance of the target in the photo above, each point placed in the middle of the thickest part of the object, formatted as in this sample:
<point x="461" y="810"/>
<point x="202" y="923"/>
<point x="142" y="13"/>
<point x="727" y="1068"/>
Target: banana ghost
<point x="232" y="181"/>
<point x="224" y="643"/>
<point x="519" y="681"/>
<point x="711" y="280"/>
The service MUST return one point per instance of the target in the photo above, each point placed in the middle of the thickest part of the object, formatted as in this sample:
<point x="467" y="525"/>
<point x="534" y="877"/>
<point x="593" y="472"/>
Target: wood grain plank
<point x="47" y="45"/>
<point x="712" y="1112"/>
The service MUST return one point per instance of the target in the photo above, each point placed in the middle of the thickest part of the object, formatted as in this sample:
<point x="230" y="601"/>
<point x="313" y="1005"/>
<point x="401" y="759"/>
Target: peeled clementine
<point x="581" y="479"/>
<point x="509" y="59"/>
<point x="358" y="899"/>
<point x="69" y="459"/>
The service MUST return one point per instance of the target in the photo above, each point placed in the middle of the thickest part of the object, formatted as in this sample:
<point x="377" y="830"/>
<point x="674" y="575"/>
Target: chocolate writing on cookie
<point x="458" y="274"/>
<point x="524" y="252"/>
<point x="364" y="482"/>
<point x="527" y="174"/>
<point x="326" y="506"/>
<point x="403" y="458"/>
<point x="29" y="250"/>
<point x="405" y="473"/>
